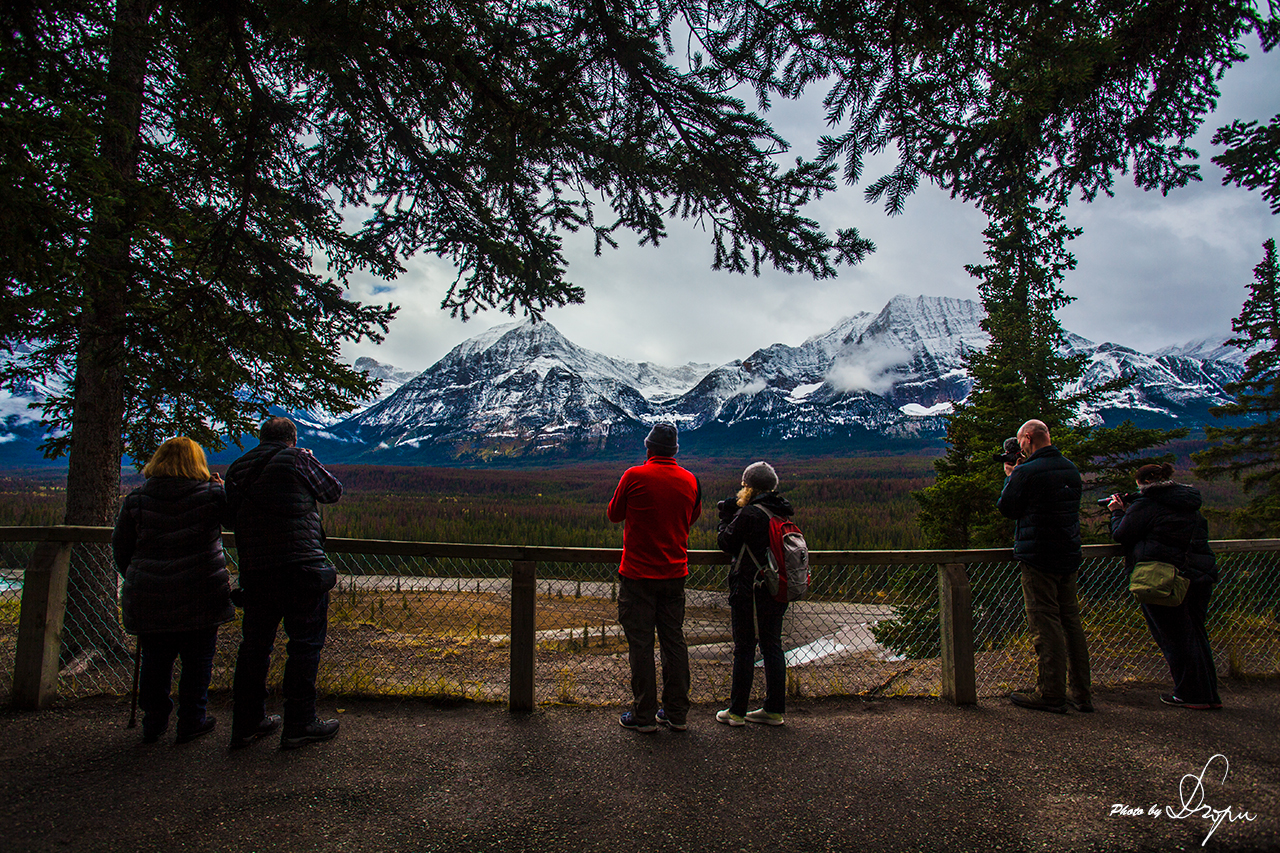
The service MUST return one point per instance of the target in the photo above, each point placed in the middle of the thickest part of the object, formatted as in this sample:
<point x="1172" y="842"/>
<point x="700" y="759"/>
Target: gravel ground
<point x="842" y="775"/>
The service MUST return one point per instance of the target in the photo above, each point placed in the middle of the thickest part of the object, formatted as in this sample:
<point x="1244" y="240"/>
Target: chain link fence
<point x="439" y="626"/>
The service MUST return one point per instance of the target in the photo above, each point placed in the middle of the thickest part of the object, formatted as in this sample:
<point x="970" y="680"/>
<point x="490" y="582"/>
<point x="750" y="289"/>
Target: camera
<point x="1009" y="453"/>
<point x="1126" y="498"/>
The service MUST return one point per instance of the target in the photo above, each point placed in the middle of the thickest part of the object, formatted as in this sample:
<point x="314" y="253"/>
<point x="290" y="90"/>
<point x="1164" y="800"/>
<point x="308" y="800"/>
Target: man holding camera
<point x="1042" y="492"/>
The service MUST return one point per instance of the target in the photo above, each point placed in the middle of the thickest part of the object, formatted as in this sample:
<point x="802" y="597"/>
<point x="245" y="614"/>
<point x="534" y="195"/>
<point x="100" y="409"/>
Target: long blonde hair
<point x="747" y="494"/>
<point x="178" y="457"/>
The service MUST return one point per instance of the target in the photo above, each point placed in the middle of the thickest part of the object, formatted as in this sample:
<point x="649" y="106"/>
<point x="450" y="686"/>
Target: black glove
<point x="727" y="509"/>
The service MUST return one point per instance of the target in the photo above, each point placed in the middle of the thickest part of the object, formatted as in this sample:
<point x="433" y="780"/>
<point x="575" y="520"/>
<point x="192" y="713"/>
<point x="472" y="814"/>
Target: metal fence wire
<point x="439" y="626"/>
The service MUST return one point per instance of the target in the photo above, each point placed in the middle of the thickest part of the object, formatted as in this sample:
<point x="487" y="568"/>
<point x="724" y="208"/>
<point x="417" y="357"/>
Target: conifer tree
<point x="1022" y="374"/>
<point x="191" y="185"/>
<point x="1250" y="453"/>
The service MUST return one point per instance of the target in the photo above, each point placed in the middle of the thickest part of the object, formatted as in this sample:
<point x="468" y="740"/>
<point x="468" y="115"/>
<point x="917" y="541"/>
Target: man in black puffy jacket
<point x="272" y="493"/>
<point x="1043" y="494"/>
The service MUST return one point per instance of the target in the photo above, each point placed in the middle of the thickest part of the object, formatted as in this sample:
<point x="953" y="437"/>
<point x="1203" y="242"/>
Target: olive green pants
<point x="1053" y="614"/>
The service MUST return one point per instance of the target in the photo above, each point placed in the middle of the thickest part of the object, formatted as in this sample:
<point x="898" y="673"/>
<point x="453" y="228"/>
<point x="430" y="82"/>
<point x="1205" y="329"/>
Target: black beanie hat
<point x="662" y="440"/>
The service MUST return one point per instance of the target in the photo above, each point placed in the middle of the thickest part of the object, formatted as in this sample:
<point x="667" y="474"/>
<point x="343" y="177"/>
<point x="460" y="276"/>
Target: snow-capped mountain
<point x="521" y="387"/>
<point x="522" y="390"/>
<point x="391" y="377"/>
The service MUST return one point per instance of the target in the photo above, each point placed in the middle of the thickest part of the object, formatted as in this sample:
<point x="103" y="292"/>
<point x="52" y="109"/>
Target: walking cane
<point x="133" y="694"/>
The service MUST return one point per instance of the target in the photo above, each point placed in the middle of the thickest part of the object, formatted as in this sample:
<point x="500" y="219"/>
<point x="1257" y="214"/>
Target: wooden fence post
<point x="524" y="574"/>
<point x="955" y="610"/>
<point x="44" y="602"/>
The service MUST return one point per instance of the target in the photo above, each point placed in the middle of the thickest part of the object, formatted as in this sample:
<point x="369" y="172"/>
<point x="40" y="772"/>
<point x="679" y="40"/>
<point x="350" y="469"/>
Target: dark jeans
<point x="643" y="606"/>
<point x="268" y="601"/>
<point x="1180" y="634"/>
<point x="749" y="606"/>
<point x="155" y="677"/>
<point x="1053" y="614"/>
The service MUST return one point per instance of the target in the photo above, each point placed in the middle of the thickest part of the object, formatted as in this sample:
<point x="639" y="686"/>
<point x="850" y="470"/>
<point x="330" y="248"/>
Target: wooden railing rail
<point x="44" y="590"/>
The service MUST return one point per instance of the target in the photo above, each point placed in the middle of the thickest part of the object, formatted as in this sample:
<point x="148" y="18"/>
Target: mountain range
<point x="522" y="392"/>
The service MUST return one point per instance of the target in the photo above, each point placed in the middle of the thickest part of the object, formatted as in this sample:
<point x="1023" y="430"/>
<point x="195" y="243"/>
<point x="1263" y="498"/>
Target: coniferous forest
<point x="853" y="503"/>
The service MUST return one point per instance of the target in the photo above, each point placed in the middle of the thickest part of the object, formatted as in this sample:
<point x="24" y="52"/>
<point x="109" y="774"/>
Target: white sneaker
<point x="760" y="715"/>
<point x="729" y="718"/>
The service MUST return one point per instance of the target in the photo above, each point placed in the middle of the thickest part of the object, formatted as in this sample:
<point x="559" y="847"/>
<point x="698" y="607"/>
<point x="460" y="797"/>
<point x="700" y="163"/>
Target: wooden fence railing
<point x="44" y="590"/>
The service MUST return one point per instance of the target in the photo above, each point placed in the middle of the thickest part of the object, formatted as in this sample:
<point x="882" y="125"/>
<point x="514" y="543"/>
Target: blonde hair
<point x="746" y="494"/>
<point x="178" y="457"/>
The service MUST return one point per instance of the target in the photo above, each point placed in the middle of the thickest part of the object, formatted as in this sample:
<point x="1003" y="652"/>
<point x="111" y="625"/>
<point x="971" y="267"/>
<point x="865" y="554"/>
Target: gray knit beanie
<point x="661" y="440"/>
<point x="760" y="476"/>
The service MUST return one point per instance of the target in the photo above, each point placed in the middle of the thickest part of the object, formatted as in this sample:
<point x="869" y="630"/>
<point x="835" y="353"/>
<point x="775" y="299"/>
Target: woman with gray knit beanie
<point x="744" y="534"/>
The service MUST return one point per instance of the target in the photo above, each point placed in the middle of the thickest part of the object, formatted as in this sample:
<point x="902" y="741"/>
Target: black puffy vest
<point x="276" y="519"/>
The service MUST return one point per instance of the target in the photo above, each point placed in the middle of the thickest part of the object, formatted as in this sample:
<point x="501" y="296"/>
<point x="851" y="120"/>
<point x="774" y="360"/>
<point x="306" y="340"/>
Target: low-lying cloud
<point x="874" y="371"/>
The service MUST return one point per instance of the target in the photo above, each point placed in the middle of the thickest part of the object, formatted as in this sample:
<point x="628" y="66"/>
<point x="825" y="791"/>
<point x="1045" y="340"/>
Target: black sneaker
<point x="1174" y="701"/>
<point x="266" y="726"/>
<point x="671" y="724"/>
<point x="186" y="735"/>
<point x="1036" y="702"/>
<point x="1082" y="706"/>
<point x="313" y="732"/>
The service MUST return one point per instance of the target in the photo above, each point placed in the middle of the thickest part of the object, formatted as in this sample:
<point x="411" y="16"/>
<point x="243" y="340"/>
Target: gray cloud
<point x="1153" y="270"/>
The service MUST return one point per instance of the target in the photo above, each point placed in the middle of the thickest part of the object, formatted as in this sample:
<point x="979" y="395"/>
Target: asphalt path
<point x="842" y="775"/>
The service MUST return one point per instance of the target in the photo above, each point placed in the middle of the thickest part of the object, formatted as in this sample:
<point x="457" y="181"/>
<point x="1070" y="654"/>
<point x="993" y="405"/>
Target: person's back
<point x="658" y="502"/>
<point x="177" y="576"/>
<point x="1043" y="495"/>
<point x="273" y="490"/>
<point x="285" y="578"/>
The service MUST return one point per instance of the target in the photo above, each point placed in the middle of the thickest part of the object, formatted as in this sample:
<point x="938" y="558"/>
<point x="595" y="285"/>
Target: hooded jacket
<point x="167" y="543"/>
<point x="1043" y="494"/>
<point x="274" y="507"/>
<point x="1166" y="524"/>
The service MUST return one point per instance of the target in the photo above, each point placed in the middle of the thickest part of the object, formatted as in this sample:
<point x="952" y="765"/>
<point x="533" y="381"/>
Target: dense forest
<point x="858" y="503"/>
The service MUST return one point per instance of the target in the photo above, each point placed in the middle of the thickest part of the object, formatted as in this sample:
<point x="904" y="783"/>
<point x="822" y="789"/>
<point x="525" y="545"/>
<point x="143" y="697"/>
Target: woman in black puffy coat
<point x="1164" y="524"/>
<point x="168" y="546"/>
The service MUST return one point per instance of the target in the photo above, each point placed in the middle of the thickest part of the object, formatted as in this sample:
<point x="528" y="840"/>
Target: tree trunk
<point x="96" y="447"/>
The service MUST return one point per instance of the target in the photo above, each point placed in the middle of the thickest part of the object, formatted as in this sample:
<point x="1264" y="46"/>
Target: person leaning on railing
<point x="167" y="544"/>
<point x="1164" y="524"/>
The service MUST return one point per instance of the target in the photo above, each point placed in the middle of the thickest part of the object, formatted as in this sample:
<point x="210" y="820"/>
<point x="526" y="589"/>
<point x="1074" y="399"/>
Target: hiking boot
<point x="671" y="724"/>
<point x="266" y="726"/>
<point x="1174" y="701"/>
<point x="152" y="735"/>
<point x="760" y="715"/>
<point x="186" y="735"/>
<point x="1036" y="702"/>
<point x="730" y="719"/>
<point x="1084" y="706"/>
<point x="629" y="721"/>
<point x="313" y="732"/>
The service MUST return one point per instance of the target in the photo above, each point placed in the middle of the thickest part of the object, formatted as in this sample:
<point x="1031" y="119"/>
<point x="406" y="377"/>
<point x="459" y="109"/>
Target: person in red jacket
<point x="658" y="502"/>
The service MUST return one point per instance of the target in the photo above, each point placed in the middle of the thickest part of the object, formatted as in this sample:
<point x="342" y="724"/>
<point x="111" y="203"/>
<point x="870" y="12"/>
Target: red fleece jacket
<point x="659" y="501"/>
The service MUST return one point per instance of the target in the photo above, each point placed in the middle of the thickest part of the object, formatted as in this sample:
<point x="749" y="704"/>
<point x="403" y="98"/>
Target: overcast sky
<point x="1153" y="270"/>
